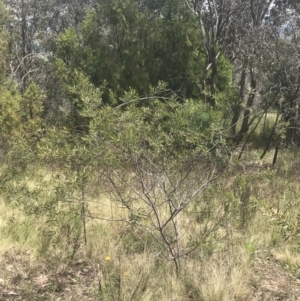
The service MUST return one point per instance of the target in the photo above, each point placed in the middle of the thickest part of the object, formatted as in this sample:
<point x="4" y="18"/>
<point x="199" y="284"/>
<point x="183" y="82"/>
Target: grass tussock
<point x="287" y="258"/>
<point x="18" y="231"/>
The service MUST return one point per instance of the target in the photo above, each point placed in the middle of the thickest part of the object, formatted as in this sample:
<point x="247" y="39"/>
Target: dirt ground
<point x="273" y="282"/>
<point x="22" y="280"/>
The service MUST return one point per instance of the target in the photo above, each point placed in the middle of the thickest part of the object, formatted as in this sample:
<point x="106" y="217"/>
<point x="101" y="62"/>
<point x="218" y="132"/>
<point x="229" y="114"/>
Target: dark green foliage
<point x="125" y="46"/>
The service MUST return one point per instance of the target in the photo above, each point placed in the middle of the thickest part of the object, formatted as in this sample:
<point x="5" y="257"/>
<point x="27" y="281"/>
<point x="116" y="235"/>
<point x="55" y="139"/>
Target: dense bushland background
<point x="149" y="150"/>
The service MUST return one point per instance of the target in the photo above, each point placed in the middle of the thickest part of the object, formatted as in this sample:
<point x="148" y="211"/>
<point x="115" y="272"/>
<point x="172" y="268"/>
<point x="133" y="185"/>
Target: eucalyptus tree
<point x="131" y="44"/>
<point x="9" y="97"/>
<point x="286" y="15"/>
<point x="134" y="45"/>
<point x="248" y="32"/>
<point x="34" y="28"/>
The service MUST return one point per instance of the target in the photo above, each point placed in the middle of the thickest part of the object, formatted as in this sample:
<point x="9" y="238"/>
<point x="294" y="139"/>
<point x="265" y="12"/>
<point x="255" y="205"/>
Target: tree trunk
<point x="245" y="123"/>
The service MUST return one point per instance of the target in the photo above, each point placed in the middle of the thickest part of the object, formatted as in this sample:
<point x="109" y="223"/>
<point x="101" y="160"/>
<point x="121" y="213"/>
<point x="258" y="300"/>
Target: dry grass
<point x="214" y="279"/>
<point x="221" y="268"/>
<point x="288" y="258"/>
<point x="17" y="230"/>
